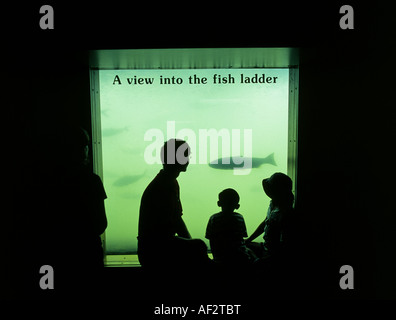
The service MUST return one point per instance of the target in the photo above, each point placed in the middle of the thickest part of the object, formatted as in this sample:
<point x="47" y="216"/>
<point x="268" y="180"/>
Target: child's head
<point x="228" y="200"/>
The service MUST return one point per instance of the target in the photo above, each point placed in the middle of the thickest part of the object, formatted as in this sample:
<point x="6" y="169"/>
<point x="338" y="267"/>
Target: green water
<point x="130" y="111"/>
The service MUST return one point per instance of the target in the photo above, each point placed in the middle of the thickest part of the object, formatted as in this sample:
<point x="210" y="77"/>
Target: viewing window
<point x="240" y="122"/>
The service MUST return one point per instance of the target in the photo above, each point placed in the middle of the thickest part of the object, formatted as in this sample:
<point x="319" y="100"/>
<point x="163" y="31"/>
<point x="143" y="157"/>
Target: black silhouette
<point x="90" y="216"/>
<point x="164" y="239"/>
<point x="278" y="224"/>
<point x="64" y="214"/>
<point x="226" y="230"/>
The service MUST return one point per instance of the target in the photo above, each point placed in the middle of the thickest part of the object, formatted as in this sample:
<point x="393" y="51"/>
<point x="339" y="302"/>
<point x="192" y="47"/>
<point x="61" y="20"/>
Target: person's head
<point x="83" y="144"/>
<point x="78" y="146"/>
<point x="72" y="147"/>
<point x="228" y="200"/>
<point x="175" y="155"/>
<point x="279" y="188"/>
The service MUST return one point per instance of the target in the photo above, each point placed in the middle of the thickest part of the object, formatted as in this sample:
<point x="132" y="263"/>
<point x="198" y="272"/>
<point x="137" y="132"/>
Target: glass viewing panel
<point x="237" y="116"/>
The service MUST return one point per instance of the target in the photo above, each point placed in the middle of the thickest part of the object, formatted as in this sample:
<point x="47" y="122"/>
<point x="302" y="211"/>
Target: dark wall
<point x="346" y="132"/>
<point x="346" y="112"/>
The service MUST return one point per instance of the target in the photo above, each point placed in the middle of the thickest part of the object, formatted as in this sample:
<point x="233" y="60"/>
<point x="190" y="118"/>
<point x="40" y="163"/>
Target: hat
<point x="278" y="185"/>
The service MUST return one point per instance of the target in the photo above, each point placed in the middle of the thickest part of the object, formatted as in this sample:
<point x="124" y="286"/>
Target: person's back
<point x="159" y="209"/>
<point x="71" y="216"/>
<point x="88" y="212"/>
<point x="226" y="230"/>
<point x="159" y="206"/>
<point x="278" y="228"/>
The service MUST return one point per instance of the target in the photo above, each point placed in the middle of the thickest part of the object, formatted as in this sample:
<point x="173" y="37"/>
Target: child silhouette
<point x="277" y="227"/>
<point x="226" y="230"/>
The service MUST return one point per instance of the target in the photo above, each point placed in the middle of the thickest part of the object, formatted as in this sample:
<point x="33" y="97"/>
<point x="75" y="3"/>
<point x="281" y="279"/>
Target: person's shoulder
<point x="89" y="177"/>
<point x="238" y="216"/>
<point x="215" y="216"/>
<point x="161" y="181"/>
<point x="95" y="177"/>
<point x="155" y="182"/>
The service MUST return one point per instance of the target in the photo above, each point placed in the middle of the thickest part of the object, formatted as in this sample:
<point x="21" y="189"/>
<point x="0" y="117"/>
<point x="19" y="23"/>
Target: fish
<point x="230" y="163"/>
<point x="127" y="180"/>
<point x="104" y="113"/>
<point x="112" y="131"/>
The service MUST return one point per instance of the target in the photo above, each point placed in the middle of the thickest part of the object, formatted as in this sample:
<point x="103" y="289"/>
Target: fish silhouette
<point x="127" y="180"/>
<point x="230" y="163"/>
<point x="109" y="132"/>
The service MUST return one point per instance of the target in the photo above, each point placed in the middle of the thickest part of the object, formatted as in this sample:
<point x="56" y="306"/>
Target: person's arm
<point x="255" y="234"/>
<point x="99" y="211"/>
<point x="181" y="228"/>
<point x="100" y="221"/>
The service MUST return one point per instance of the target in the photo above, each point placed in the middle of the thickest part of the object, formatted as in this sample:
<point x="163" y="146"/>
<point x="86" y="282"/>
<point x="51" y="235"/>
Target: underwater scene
<point x="235" y="121"/>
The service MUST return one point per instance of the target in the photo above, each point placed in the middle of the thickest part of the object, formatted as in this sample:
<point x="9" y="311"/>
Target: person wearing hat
<point x="276" y="224"/>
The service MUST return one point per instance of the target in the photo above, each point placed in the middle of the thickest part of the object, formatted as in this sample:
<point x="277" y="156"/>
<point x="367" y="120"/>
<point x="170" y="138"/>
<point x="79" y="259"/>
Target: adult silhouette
<point x="62" y="214"/>
<point x="164" y="239"/>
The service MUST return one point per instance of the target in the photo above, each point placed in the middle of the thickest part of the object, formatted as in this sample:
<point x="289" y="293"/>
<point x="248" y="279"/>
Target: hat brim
<point x="266" y="187"/>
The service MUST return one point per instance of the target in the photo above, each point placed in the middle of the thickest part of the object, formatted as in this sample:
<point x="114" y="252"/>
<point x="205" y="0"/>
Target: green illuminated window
<point x="223" y="112"/>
